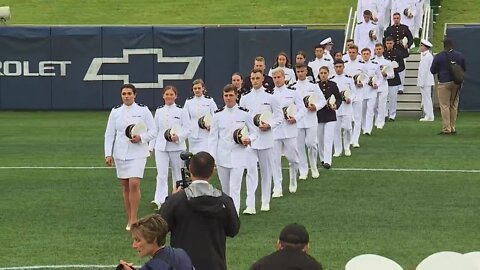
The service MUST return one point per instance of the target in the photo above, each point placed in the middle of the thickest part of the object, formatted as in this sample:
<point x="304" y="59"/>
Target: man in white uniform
<point x="328" y="45"/>
<point x="230" y="156"/>
<point x="425" y="79"/>
<point x="285" y="134"/>
<point x="320" y="60"/>
<point x="307" y="127"/>
<point x="382" y="92"/>
<point x="375" y="79"/>
<point x="259" y="102"/>
<point x="366" y="32"/>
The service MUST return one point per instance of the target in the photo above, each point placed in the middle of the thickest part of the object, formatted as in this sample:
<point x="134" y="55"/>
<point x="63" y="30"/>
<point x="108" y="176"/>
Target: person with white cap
<point x="328" y="44"/>
<point x="285" y="134"/>
<point x="425" y="79"/>
<point x="199" y="106"/>
<point x="366" y="32"/>
<point x="320" y="61"/>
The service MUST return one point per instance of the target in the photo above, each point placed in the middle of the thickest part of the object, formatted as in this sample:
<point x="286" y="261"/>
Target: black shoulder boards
<point x="346" y="61"/>
<point x="141" y="104"/>
<point x="326" y="59"/>
<point x="243" y="109"/>
<point x="374" y="62"/>
<point x="161" y="106"/>
<point x="270" y="91"/>
<point x="179" y="106"/>
<point x="360" y="23"/>
<point x="190" y="97"/>
<point x="361" y="61"/>
<point x="332" y="77"/>
<point x="219" y="110"/>
<point x="207" y="96"/>
<point x="348" y="76"/>
<point x="118" y="106"/>
<point x="246" y="92"/>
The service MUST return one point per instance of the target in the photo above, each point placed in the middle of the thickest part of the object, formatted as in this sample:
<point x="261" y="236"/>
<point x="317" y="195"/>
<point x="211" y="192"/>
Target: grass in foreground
<point x="75" y="216"/>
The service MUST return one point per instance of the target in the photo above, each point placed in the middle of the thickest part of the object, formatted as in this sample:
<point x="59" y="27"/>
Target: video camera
<point x="186" y="180"/>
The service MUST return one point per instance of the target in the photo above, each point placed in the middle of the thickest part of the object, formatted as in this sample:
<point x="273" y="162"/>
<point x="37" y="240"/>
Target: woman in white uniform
<point x="128" y="149"/>
<point x="197" y="106"/>
<point x="284" y="63"/>
<point x="172" y="122"/>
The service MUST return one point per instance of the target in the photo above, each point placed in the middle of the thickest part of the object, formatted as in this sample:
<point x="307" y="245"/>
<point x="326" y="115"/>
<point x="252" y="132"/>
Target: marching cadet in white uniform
<point x="283" y="62"/>
<point x="354" y="68"/>
<point x="129" y="150"/>
<point x="345" y="85"/>
<point x="307" y="127"/>
<point x="328" y="44"/>
<point x="285" y="134"/>
<point x="382" y="92"/>
<point x="320" y="61"/>
<point x="230" y="155"/>
<point x="407" y="10"/>
<point x="425" y="79"/>
<point x="199" y="106"/>
<point x="173" y="128"/>
<point x="366" y="32"/>
<point x="345" y="56"/>
<point x="375" y="79"/>
<point x="420" y="5"/>
<point x="259" y="102"/>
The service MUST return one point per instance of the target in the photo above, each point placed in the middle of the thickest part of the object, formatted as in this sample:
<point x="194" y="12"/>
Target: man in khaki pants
<point x="448" y="90"/>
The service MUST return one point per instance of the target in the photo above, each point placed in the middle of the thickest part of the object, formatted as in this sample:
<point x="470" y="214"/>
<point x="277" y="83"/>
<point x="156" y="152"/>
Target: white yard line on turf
<point x="285" y="168"/>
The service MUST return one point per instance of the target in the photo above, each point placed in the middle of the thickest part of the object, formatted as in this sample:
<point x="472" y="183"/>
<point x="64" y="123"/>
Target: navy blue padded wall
<point x="23" y="52"/>
<point x="79" y="45"/>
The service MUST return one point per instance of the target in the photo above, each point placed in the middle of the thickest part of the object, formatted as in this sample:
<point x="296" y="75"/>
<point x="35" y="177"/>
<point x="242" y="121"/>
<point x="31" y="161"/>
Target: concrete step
<point x="411" y="89"/>
<point x="410" y="81"/>
<point x="414" y="57"/>
<point x="411" y="65"/>
<point x="412" y="73"/>
<point x="409" y="97"/>
<point x="407" y="106"/>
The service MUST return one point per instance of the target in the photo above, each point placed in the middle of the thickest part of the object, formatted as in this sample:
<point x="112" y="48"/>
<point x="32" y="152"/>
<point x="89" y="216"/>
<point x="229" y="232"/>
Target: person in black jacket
<point x="327" y="117"/>
<point x="267" y="80"/>
<point x="200" y="217"/>
<point x="394" y="84"/>
<point x="292" y="252"/>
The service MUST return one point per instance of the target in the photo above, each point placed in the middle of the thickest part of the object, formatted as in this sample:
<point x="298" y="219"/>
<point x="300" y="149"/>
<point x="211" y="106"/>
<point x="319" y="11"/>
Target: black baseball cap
<point x="294" y="234"/>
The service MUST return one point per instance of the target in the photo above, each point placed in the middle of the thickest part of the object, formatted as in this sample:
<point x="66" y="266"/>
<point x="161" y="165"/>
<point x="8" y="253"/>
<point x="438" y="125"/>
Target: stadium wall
<point x="82" y="68"/>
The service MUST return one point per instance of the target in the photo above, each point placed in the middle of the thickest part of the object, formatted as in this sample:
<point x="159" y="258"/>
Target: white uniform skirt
<point x="130" y="168"/>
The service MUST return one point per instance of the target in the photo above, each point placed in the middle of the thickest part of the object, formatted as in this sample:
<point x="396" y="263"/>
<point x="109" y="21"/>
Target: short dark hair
<point x="339" y="61"/>
<point x="447" y="43"/>
<point x="366" y="49"/>
<point x="302" y="65"/>
<point x="129" y="86"/>
<point x="257" y="70"/>
<point x="238" y="74"/>
<point x="230" y="88"/>
<point x="389" y="38"/>
<point x="152" y="228"/>
<point x="319" y="46"/>
<point x="397" y="13"/>
<point x="379" y="45"/>
<point x="201" y="165"/>
<point x="367" y="12"/>
<point x="350" y="40"/>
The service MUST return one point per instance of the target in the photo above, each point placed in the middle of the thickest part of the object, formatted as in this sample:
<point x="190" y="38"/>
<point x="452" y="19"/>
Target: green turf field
<point x="75" y="216"/>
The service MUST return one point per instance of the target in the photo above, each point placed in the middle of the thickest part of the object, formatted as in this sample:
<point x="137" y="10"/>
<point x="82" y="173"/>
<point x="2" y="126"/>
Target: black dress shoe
<point x="326" y="166"/>
<point x="391" y="120"/>
<point x="444" y="133"/>
<point x="454" y="132"/>
<point x="321" y="162"/>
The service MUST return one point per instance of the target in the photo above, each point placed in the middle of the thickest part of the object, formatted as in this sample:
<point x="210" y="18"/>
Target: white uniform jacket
<point x="258" y="101"/>
<point x="318" y="63"/>
<point x="383" y="62"/>
<point x="306" y="88"/>
<point x="169" y="116"/>
<point x="362" y="36"/>
<point x="221" y="145"/>
<point x="372" y="70"/>
<point x="197" y="107"/>
<point x="425" y="77"/>
<point x="344" y="82"/>
<point x="353" y="68"/>
<point x="117" y="144"/>
<point x="286" y="97"/>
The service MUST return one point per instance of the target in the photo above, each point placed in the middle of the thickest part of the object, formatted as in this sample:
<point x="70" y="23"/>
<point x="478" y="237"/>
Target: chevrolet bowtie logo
<point x="92" y="72"/>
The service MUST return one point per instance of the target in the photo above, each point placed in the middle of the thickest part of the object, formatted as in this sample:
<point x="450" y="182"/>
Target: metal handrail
<point x="354" y="24"/>
<point x="347" y="28"/>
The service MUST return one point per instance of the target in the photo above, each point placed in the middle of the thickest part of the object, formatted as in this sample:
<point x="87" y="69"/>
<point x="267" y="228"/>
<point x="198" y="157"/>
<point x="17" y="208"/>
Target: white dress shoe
<point x="315" y="174"/>
<point x="348" y="152"/>
<point x="292" y="189"/>
<point x="336" y="155"/>
<point x="303" y="177"/>
<point x="249" y="211"/>
<point x="277" y="194"/>
<point x="265" y="207"/>
<point x="356" y="145"/>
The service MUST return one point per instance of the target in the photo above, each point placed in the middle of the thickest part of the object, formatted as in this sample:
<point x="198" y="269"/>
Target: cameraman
<point x="200" y="217"/>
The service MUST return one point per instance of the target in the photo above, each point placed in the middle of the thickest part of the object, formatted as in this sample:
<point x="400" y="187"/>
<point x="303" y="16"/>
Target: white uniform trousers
<point x="325" y="141"/>
<point x="196" y="145"/>
<point x="368" y="114"/>
<point x="357" y="120"/>
<point x="264" y="157"/>
<point x="381" y="109"/>
<point x="163" y="159"/>
<point x="427" y="102"/>
<point x="402" y="79"/>
<point x="392" y="101"/>
<point x="290" y="148"/>
<point x="307" y="137"/>
<point x="231" y="181"/>
<point x="343" y="132"/>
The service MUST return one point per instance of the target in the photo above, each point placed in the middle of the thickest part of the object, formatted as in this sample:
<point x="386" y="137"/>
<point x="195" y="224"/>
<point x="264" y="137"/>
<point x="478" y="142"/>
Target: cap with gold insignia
<point x="135" y="129"/>
<point x="239" y="134"/>
<point x="289" y="111"/>
<point x="261" y="118"/>
<point x="175" y="130"/>
<point x="205" y="121"/>
<point x="426" y="43"/>
<point x="311" y="99"/>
